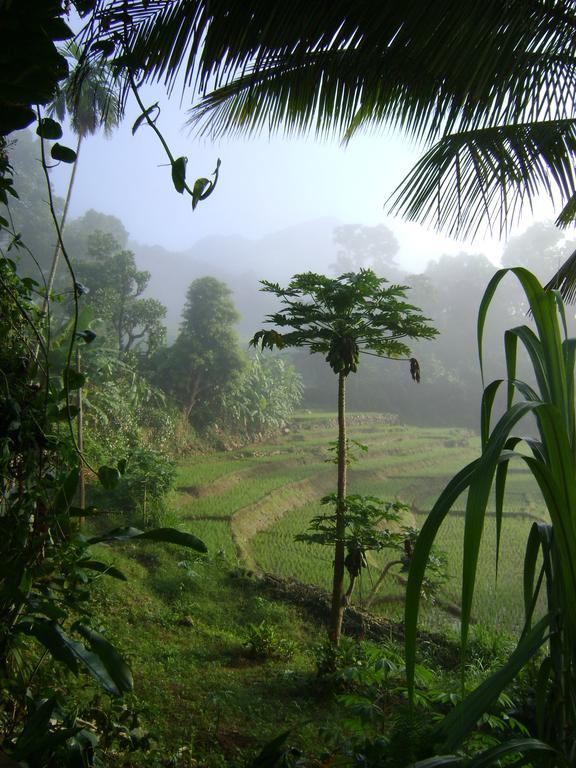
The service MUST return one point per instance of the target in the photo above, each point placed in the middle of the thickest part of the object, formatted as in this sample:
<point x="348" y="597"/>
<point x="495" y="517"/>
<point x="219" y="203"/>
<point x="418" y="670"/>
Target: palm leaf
<point x="492" y="84"/>
<point x="565" y="278"/>
<point x="488" y="175"/>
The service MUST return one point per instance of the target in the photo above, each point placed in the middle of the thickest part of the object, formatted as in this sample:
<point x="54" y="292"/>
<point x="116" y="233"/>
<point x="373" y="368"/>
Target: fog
<point x="265" y="185"/>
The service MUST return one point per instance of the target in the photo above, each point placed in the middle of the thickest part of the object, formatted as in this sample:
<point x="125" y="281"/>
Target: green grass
<point x="184" y="618"/>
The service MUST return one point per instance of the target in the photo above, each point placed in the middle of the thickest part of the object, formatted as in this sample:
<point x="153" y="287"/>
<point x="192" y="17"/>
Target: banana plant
<point x="550" y="558"/>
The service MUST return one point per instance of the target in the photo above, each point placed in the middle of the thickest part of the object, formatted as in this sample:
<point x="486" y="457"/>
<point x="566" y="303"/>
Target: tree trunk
<point x="80" y="439"/>
<point x="338" y="598"/>
<point x="55" y="257"/>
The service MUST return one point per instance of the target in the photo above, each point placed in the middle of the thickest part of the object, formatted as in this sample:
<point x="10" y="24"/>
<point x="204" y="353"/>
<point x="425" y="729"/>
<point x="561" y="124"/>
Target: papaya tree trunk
<point x="338" y="598"/>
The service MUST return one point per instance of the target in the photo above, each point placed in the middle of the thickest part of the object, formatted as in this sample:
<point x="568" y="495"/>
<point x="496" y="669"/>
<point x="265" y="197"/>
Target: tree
<point x="90" y="97"/>
<point x="489" y="86"/>
<point x="205" y="358"/>
<point x="47" y="568"/>
<point x="362" y="247"/>
<point x="341" y="318"/>
<point x="115" y="287"/>
<point x="79" y="230"/>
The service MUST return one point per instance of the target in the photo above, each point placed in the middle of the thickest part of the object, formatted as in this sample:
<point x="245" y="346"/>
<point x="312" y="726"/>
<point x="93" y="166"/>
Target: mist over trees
<point x="138" y="293"/>
<point x="206" y="357"/>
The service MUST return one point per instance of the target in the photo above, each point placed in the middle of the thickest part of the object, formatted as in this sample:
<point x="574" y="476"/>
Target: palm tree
<point x="90" y="98"/>
<point x="486" y="87"/>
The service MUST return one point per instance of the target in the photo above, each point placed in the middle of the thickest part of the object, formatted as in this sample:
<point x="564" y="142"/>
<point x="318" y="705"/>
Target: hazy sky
<point x="265" y="185"/>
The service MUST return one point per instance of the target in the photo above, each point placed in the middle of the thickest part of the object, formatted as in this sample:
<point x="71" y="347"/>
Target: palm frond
<point x="493" y="59"/>
<point x="565" y="280"/>
<point x="488" y="175"/>
<point x="88" y="95"/>
<point x="491" y="83"/>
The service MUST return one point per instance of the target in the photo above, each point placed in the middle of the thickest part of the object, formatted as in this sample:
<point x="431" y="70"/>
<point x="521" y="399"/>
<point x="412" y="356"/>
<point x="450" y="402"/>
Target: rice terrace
<point x="250" y="504"/>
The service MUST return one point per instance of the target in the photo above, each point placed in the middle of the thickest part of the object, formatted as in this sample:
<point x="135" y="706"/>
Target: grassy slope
<point x="198" y="691"/>
<point x="185" y="620"/>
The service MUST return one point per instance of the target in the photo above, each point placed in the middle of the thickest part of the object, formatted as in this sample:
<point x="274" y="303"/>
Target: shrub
<point x="264" y="642"/>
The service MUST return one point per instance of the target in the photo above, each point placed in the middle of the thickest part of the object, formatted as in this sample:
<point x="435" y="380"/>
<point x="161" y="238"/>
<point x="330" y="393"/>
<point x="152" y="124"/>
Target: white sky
<point x="265" y="185"/>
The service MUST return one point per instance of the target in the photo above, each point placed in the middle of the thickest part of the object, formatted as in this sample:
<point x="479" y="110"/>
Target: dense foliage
<point x="262" y="400"/>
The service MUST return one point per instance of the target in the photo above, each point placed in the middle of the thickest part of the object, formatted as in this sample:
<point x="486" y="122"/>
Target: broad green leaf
<point x="67" y="492"/>
<point x="109" y="477"/>
<point x="36" y="737"/>
<point x="47" y="743"/>
<point x="108" y="570"/>
<point x="49" y="129"/>
<point x="543" y="306"/>
<point x="203" y="187"/>
<point x="459" y="483"/>
<point x="62" y="153"/>
<point x="198" y="189"/>
<point x="88" y="336"/>
<point x="66" y="413"/>
<point x="493" y="755"/>
<point x="113" y="662"/>
<point x="486" y="409"/>
<point x="534" y="348"/>
<point x="511" y="348"/>
<point x="179" y="174"/>
<point x="476" y="505"/>
<point x="169" y="535"/>
<point x="483" y="311"/>
<point x="538" y="537"/>
<point x="569" y="347"/>
<point x="46" y="633"/>
<point x="73" y="379"/>
<point x="36" y="727"/>
<point x="91" y="661"/>
<point x="501" y="477"/>
<point x="71" y="653"/>
<point x="271" y="753"/>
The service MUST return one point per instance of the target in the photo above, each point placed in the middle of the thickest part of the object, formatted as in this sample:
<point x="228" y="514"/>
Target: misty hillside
<point x="241" y="263"/>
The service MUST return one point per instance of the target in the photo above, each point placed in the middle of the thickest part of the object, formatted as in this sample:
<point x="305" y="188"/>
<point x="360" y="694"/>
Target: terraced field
<point x="250" y="504"/>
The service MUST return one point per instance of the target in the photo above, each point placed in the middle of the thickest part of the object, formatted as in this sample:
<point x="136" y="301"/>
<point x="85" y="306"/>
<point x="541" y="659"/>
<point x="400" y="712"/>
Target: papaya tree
<point x="341" y="318"/>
